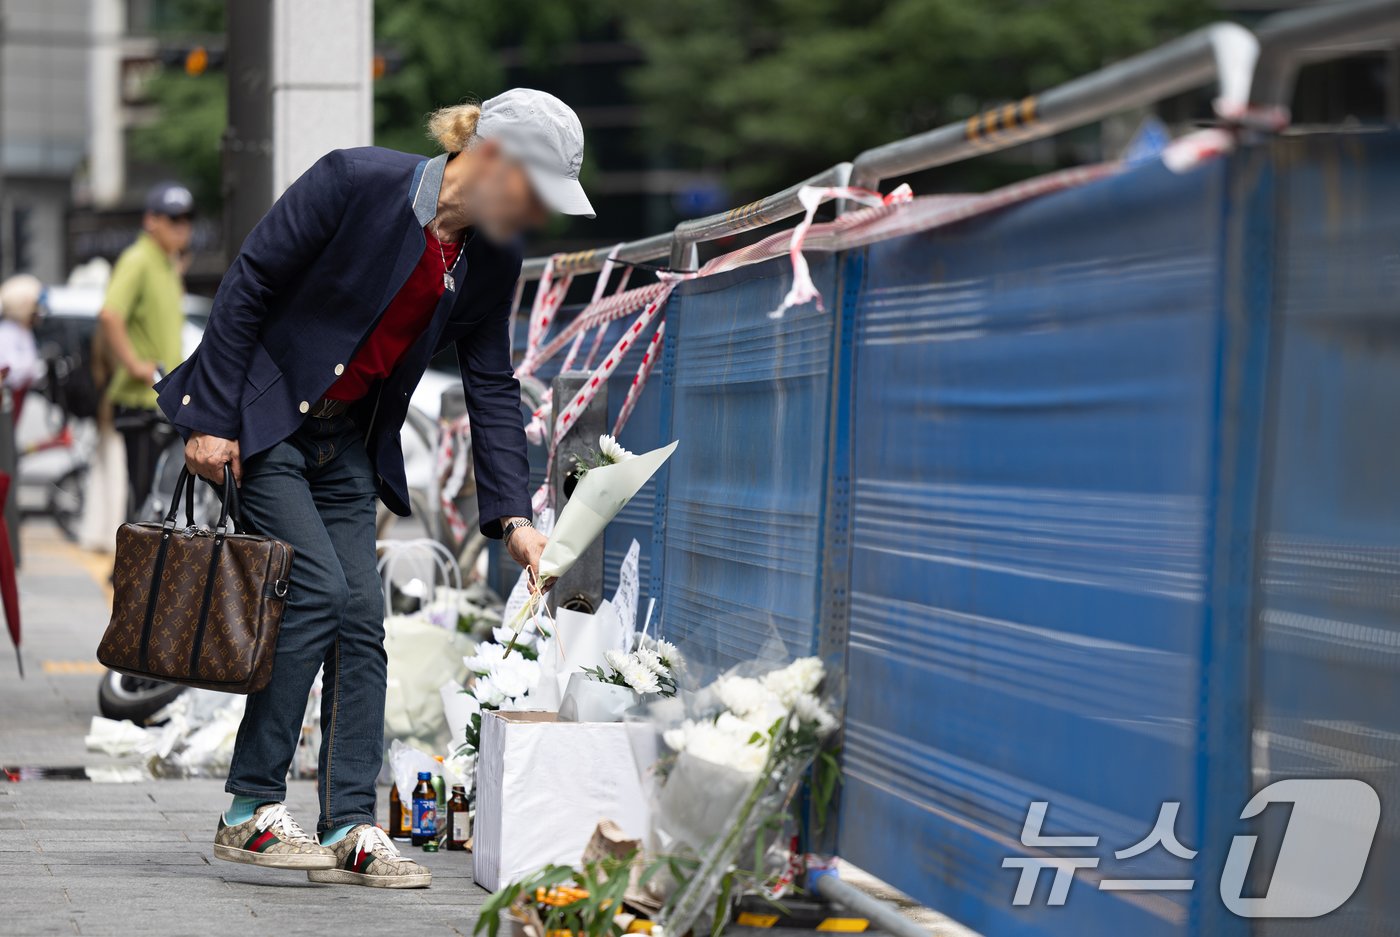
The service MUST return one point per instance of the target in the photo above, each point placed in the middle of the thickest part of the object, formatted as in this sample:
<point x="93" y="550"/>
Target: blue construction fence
<point x="1095" y="500"/>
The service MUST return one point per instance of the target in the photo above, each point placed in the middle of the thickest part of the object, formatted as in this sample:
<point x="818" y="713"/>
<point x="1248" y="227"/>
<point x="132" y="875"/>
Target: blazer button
<point x="339" y="370"/>
<point x="304" y="406"/>
<point x="185" y="399"/>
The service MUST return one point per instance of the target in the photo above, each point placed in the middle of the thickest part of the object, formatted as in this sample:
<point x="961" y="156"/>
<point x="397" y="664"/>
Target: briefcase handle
<point x="228" y="501"/>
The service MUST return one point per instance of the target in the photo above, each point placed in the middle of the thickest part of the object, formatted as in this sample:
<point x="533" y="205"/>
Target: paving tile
<point x="135" y="860"/>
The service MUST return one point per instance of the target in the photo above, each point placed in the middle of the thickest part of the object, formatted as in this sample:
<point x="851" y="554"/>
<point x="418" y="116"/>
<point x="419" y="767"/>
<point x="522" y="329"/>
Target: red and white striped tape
<point x="598" y="336"/>
<point x="454" y="442"/>
<point x="803" y="290"/>
<point x="568" y="416"/>
<point x="639" y="380"/>
<point x="549" y="297"/>
<point x="599" y="314"/>
<point x="599" y="289"/>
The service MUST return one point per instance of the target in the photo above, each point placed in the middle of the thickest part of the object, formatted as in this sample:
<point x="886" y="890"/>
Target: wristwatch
<point x="512" y="526"/>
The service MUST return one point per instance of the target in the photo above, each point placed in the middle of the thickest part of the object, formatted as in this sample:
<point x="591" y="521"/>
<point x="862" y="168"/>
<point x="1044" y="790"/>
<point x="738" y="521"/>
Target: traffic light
<point x="196" y="61"/>
<point x="193" y="60"/>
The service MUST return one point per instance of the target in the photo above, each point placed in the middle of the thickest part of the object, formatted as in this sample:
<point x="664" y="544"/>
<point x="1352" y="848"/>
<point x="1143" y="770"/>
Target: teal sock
<point x="331" y="837"/>
<point x="241" y="810"/>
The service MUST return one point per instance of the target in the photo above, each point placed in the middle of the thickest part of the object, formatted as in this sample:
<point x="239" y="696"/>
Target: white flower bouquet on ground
<point x="497" y="682"/>
<point x="732" y="756"/>
<point x="600" y="491"/>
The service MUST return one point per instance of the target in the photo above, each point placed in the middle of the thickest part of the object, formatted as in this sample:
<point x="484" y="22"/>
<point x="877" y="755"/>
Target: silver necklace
<point x="448" y="283"/>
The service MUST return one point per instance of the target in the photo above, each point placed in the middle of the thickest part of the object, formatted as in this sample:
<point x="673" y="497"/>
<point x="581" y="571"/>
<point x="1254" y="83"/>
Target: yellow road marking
<point x="73" y="667"/>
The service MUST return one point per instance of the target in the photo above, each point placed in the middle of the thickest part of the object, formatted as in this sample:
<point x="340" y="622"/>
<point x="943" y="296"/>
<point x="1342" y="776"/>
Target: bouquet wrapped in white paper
<point x="731" y="757"/>
<point x="600" y="492"/>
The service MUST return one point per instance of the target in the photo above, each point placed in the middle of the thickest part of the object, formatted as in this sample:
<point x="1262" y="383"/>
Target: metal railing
<point x="765" y="211"/>
<point x="591" y="261"/>
<point x="1224" y="51"/>
<point x="1252" y="69"/>
<point x="1291" y="39"/>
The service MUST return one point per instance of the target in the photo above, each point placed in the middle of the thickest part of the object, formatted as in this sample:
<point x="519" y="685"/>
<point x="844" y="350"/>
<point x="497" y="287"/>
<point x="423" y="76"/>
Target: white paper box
<point x="542" y="787"/>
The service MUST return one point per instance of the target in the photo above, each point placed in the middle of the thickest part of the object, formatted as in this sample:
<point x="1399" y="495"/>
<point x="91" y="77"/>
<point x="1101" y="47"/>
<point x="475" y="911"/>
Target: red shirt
<point x="404" y="319"/>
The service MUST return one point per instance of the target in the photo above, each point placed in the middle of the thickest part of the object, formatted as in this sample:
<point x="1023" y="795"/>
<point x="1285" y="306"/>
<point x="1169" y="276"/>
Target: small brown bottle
<point x="400" y="820"/>
<point x="459" y="823"/>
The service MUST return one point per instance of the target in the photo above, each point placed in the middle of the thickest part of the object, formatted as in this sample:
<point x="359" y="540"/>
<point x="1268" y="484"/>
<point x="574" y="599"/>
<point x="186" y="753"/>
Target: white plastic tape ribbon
<point x="803" y="289"/>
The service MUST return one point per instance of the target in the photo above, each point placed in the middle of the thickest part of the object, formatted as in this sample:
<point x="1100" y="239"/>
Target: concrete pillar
<point x="322" y="96"/>
<point x="300" y="85"/>
<point x="106" y="140"/>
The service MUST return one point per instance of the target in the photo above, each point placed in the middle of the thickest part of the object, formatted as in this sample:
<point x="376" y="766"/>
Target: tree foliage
<point x="184" y="139"/>
<point x="446" y="52"/>
<point x="771" y="90"/>
<point x="761" y="91"/>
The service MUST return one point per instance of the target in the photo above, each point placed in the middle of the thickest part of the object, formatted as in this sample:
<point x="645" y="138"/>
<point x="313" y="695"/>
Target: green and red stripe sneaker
<point x="273" y="839"/>
<point x="366" y="856"/>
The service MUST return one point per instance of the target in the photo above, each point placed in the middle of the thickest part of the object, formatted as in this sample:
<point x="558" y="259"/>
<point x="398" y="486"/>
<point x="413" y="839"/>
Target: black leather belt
<point x="326" y="408"/>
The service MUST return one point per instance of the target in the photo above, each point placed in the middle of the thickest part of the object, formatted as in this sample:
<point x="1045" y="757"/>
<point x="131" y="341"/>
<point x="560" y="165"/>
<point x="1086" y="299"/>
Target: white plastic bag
<point x="422" y="657"/>
<point x="405" y="762"/>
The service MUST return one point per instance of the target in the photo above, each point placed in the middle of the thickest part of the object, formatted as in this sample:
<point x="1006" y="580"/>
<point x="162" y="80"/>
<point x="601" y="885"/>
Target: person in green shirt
<point x="141" y="319"/>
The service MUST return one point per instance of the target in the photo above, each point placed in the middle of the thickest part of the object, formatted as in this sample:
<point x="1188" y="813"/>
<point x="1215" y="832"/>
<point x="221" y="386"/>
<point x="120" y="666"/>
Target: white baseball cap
<point x="545" y="135"/>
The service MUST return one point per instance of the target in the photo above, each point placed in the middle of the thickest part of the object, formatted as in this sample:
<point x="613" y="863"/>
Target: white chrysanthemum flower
<point x="651" y="660"/>
<point x="611" y="451"/>
<point x="487" y="693"/>
<point x="516" y="676"/>
<point x="810" y="709"/>
<point x="486" y="655"/>
<point x="504" y="634"/>
<point x="743" y="695"/>
<point x="769" y="714"/>
<point x="746" y="744"/>
<point x="677" y="738"/>
<point x="727" y="741"/>
<point x="803" y="675"/>
<point x="638" y="677"/>
<point x="615" y="659"/>
<point x="667" y="650"/>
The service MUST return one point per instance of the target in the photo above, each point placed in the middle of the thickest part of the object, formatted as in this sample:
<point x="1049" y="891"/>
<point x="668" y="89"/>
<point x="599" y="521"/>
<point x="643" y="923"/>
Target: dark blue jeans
<point x="316" y="490"/>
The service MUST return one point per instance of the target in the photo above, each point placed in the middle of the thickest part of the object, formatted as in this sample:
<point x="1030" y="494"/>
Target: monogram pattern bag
<point x="195" y="606"/>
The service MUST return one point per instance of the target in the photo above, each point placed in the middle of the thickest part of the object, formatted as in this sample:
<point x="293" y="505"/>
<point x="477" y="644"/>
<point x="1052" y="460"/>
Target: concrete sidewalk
<point x="119" y="859"/>
<point x="78" y="857"/>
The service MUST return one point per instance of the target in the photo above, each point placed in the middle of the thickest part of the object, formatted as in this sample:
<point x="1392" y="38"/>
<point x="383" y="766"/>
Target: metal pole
<point x="885" y="916"/>
<point x="1225" y="50"/>
<point x="591" y="261"/>
<point x="248" y="169"/>
<point x="765" y="211"/>
<point x="1286" y="39"/>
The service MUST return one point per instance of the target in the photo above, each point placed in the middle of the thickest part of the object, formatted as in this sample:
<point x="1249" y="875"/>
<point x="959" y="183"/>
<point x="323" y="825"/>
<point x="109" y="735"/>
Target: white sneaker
<point x="366" y="856"/>
<point x="271" y="838"/>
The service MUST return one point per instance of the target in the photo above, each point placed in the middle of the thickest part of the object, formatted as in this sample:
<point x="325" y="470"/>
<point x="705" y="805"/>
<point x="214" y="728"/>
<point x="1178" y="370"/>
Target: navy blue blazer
<point x="307" y="288"/>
